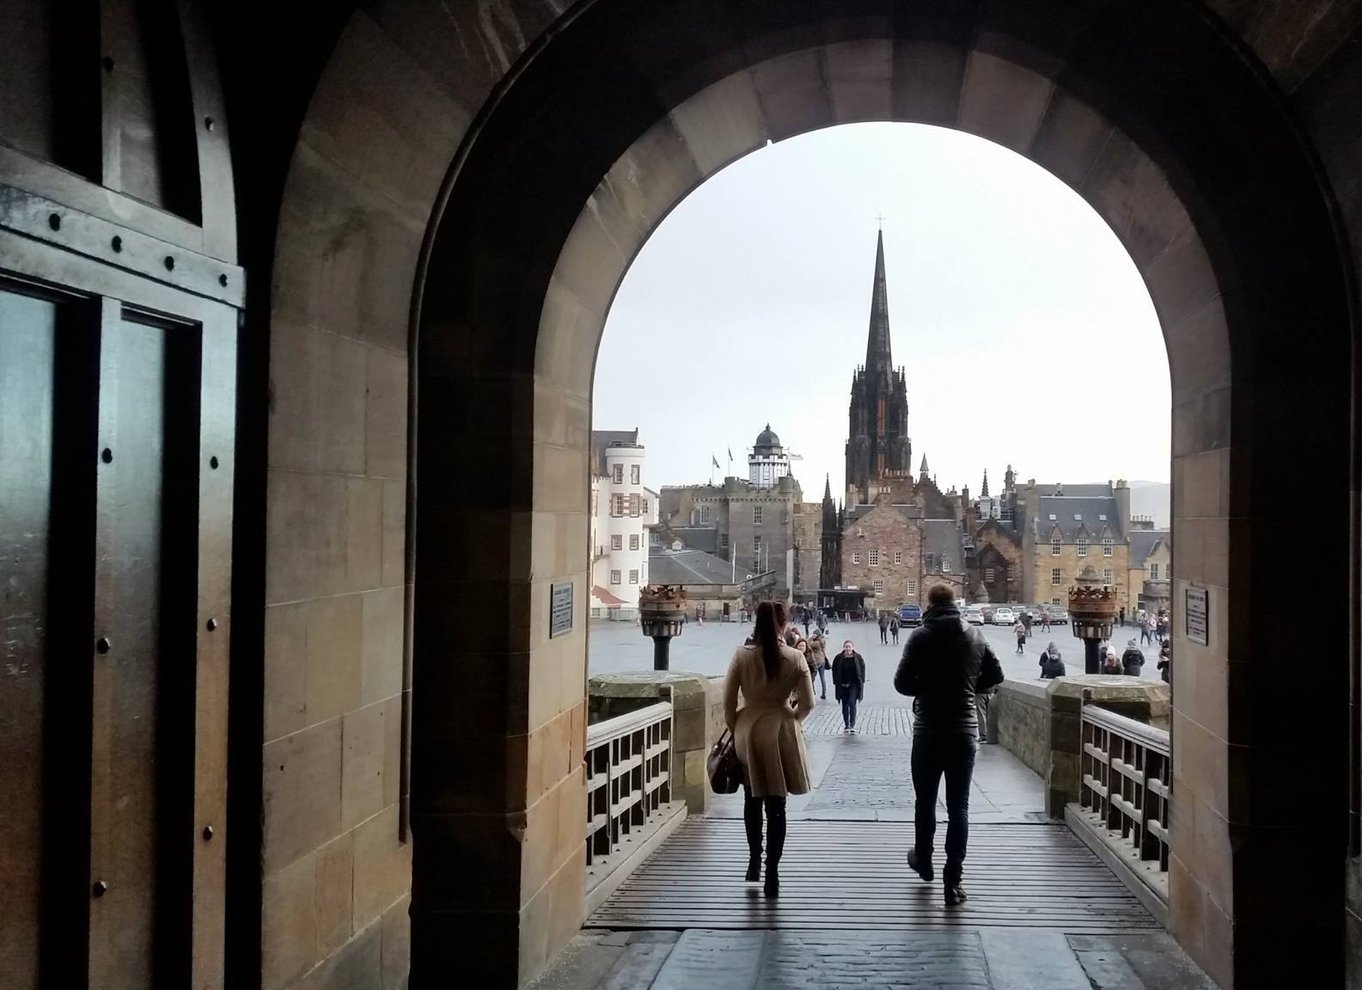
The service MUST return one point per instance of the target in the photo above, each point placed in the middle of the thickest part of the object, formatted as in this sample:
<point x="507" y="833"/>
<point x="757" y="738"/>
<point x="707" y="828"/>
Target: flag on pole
<point x="730" y="453"/>
<point x="714" y="459"/>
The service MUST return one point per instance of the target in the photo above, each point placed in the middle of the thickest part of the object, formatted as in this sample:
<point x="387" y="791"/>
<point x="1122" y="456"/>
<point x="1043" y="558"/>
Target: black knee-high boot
<point x="775" y="842"/>
<point x="751" y="817"/>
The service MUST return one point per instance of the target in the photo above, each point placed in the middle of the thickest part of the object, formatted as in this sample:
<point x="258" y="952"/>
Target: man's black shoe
<point x="955" y="895"/>
<point x="921" y="868"/>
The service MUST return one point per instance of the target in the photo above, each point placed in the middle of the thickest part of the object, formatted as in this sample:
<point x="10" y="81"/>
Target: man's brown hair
<point x="941" y="594"/>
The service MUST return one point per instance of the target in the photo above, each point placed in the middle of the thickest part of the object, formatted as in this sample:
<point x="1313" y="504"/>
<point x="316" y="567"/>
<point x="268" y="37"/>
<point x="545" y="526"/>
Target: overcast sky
<point x="1026" y="332"/>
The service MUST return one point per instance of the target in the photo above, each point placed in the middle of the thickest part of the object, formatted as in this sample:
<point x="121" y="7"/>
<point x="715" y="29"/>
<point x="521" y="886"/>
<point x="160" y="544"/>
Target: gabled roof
<point x="1144" y="541"/>
<point x="944" y="538"/>
<point x="691" y="567"/>
<point x="1074" y="514"/>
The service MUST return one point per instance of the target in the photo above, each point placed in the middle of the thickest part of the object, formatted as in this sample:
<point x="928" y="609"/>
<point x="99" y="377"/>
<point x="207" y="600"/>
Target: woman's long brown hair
<point x="770" y="619"/>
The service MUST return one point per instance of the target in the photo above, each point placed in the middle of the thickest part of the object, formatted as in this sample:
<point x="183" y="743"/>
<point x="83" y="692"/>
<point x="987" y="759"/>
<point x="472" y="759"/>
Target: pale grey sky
<point x="1026" y="332"/>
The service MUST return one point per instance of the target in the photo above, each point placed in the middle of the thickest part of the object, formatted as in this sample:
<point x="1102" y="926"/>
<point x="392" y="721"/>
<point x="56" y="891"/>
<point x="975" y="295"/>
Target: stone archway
<point x="560" y="172"/>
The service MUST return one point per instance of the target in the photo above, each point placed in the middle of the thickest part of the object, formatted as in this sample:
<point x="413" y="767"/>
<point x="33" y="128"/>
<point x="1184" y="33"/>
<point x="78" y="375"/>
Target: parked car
<point x="1059" y="615"/>
<point x="910" y="615"/>
<point x="973" y="614"/>
<point x="987" y="612"/>
<point x="1004" y="616"/>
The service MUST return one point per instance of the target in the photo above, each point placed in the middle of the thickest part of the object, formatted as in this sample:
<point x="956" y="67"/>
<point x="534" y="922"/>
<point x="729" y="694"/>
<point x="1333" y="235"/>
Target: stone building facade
<point x="1151" y="566"/>
<point x="898" y="554"/>
<point x="996" y="564"/>
<point x="1068" y="528"/>
<point x="762" y="528"/>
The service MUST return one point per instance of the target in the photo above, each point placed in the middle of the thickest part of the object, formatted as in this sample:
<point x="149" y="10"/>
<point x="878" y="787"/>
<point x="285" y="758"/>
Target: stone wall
<point x="883" y="528"/>
<point x="1041" y="723"/>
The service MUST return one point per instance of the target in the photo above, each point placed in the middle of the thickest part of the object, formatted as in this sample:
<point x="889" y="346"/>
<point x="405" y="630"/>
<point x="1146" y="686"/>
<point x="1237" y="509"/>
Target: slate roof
<point x="1143" y="542"/>
<point x="943" y="538"/>
<point x="690" y="567"/>
<point x="1075" y="513"/>
<point x="704" y="538"/>
<point x="601" y="439"/>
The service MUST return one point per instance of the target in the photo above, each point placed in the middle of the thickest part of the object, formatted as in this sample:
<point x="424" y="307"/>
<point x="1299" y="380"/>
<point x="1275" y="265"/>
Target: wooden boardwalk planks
<point x="852" y="875"/>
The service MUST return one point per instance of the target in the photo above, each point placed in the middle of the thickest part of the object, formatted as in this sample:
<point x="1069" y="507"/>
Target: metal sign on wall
<point x="1197" y="615"/>
<point x="560" y="608"/>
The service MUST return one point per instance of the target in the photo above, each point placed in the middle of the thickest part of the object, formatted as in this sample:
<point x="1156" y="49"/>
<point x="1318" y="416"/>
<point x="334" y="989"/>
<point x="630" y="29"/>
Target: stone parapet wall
<point x="695" y="700"/>
<point x="1040" y="722"/>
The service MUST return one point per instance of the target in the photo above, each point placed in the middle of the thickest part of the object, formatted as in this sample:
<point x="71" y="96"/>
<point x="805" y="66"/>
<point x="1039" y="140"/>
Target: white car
<point x="1004" y="617"/>
<point x="973" y="615"/>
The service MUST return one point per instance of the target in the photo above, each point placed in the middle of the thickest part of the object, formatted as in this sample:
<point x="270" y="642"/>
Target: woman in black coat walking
<point x="848" y="683"/>
<point x="1051" y="663"/>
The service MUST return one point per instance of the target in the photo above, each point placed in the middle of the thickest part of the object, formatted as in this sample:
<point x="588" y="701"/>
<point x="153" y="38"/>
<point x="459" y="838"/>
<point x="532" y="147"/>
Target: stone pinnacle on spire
<point x="923" y="470"/>
<point x="877" y="352"/>
<point x="983" y="493"/>
<point x="827" y="488"/>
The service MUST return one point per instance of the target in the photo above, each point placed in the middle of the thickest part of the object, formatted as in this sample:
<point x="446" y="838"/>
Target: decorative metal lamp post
<point x="662" y="613"/>
<point x="1092" y="615"/>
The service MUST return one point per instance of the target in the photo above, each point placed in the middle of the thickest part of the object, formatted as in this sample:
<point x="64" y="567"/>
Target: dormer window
<point x="1102" y="518"/>
<point x="1077" y="517"/>
<point x="1053" y="517"/>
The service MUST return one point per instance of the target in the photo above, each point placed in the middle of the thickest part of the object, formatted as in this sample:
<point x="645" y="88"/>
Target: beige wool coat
<point x="767" y="733"/>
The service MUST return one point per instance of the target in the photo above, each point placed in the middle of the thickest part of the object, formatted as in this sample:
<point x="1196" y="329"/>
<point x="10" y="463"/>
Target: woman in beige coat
<point x="767" y="735"/>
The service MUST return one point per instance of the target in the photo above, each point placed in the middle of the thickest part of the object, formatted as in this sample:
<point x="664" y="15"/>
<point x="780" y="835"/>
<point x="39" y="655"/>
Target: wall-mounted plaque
<point x="560" y="608"/>
<point x="1197" y="615"/>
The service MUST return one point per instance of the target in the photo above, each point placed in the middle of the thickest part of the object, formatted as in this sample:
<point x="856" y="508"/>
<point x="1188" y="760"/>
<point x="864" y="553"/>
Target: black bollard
<point x="1092" y="663"/>
<point x="662" y="648"/>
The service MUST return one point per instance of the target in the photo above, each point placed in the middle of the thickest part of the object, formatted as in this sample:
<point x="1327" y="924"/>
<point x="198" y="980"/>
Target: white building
<point x="768" y="462"/>
<point x="622" y="510"/>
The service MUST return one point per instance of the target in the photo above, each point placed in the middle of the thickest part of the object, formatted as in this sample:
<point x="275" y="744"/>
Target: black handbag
<point x="724" y="768"/>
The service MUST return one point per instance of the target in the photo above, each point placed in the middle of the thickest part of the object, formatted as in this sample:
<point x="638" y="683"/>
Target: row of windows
<point x="615" y="577"/>
<point x="617" y="542"/>
<point x="873" y="557"/>
<point x="633" y="474"/>
<point x="628" y="505"/>
<point x="1057" y="576"/>
<point x="1081" y="546"/>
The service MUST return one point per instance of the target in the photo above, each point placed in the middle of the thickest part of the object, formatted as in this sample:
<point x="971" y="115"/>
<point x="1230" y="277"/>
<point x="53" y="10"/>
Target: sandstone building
<point x="760" y="523"/>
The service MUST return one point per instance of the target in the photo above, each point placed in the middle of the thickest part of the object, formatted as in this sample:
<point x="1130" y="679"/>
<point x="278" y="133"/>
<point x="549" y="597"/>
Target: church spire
<point x="827" y="488"/>
<point x="984" y="492"/>
<point x="923" y="470"/>
<point x="877" y="354"/>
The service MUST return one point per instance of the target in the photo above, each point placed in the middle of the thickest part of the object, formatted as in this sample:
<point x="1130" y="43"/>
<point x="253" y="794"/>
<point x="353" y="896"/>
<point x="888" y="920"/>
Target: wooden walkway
<point x="851" y="875"/>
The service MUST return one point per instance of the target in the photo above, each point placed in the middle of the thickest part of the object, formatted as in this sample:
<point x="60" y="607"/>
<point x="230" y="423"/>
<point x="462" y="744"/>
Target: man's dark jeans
<point x="950" y="755"/>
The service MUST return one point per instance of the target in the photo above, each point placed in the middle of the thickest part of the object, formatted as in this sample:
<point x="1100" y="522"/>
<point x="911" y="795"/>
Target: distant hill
<point x="1152" y="498"/>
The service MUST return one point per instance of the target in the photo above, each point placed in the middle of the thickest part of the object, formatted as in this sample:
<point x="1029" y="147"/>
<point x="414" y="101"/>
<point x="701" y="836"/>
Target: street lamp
<point x="662" y="614"/>
<point x="1092" y="615"/>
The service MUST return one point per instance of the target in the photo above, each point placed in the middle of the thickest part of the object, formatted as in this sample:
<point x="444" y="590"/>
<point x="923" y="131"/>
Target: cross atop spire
<point x="877" y="352"/>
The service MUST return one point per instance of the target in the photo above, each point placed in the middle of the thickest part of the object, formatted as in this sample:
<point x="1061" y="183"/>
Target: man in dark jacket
<point x="944" y="664"/>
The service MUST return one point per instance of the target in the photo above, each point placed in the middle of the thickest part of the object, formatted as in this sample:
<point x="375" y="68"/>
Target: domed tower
<point x="877" y="438"/>
<point x="768" y="462"/>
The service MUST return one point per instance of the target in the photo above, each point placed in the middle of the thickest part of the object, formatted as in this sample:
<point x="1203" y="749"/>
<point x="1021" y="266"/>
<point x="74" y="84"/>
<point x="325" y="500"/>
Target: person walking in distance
<point x="1045" y="620"/>
<point x="818" y="662"/>
<point x="1026" y="621"/>
<point x="944" y="665"/>
<point x="1147" y="630"/>
<point x="767" y="735"/>
<point x="884" y="628"/>
<point x="894" y="629"/>
<point x="848" y="683"/>
<point x="1019" y="631"/>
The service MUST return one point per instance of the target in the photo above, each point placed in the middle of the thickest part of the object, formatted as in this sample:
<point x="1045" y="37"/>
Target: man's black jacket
<point x="945" y="663"/>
